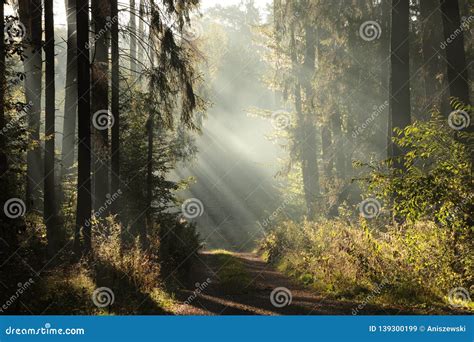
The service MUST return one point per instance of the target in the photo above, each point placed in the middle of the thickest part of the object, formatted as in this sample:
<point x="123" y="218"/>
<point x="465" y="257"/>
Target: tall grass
<point x="404" y="264"/>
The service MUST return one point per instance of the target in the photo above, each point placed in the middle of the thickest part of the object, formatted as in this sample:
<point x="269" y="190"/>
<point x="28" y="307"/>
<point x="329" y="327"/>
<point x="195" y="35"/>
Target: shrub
<point x="409" y="263"/>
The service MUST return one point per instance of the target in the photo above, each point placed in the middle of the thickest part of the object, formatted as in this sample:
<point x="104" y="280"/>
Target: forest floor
<point x="242" y="283"/>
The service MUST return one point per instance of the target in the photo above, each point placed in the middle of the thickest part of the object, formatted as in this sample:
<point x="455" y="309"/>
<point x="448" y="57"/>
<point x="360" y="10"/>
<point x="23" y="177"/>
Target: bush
<point x="436" y="179"/>
<point x="410" y="263"/>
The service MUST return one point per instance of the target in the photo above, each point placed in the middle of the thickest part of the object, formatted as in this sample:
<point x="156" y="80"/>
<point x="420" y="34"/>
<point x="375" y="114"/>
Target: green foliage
<point x="416" y="256"/>
<point x="435" y="181"/>
<point x="410" y="264"/>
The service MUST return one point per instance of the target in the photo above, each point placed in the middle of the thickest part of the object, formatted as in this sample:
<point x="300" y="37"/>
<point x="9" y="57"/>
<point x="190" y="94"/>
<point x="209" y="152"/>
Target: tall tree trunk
<point x="50" y="212"/>
<point x="70" y="101"/>
<point x="431" y="36"/>
<point x="31" y="16"/>
<point x="141" y="33"/>
<point x="306" y="133"/>
<point x="149" y="182"/>
<point x="326" y="143"/>
<point x="399" y="114"/>
<point x="84" y="205"/>
<point x="456" y="59"/>
<point x="308" y="142"/>
<point x="455" y="54"/>
<point x="133" y="38"/>
<point x="336" y="126"/>
<point x="100" y="102"/>
<point x="115" y="174"/>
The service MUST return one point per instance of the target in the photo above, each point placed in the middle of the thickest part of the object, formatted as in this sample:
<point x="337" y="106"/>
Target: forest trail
<point x="224" y="294"/>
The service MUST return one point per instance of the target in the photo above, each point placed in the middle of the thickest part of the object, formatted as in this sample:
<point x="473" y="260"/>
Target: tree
<point x="99" y="101"/>
<point x="115" y="143"/>
<point x="307" y="124"/>
<point x="399" y="112"/>
<point x="133" y="38"/>
<point x="431" y="36"/>
<point x="455" y="54"/>
<point x="70" y="101"/>
<point x="141" y="33"/>
<point x="50" y="213"/>
<point x="31" y="16"/>
<point x="84" y="205"/>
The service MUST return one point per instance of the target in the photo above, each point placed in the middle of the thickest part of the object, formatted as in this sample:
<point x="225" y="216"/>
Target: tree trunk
<point x="100" y="102"/>
<point x="31" y="16"/>
<point x="455" y="55"/>
<point x="115" y="174"/>
<point x="133" y="38"/>
<point x="308" y="142"/>
<point x="399" y="115"/>
<point x="431" y="36"/>
<point x="50" y="213"/>
<point x="84" y="206"/>
<point x="141" y="34"/>
<point x="149" y="182"/>
<point x="70" y="101"/>
<point x="326" y="143"/>
<point x="336" y="126"/>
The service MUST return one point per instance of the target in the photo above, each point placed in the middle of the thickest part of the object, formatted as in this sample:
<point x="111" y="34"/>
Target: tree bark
<point x="308" y="142"/>
<point x="399" y="114"/>
<point x="84" y="205"/>
<point x="455" y="54"/>
<point x="31" y="16"/>
<point x="50" y="213"/>
<point x="336" y="126"/>
<point x="326" y="143"/>
<point x="141" y="33"/>
<point x="100" y="102"/>
<point x="115" y="174"/>
<point x="431" y="38"/>
<point x="149" y="182"/>
<point x="133" y="38"/>
<point x="70" y="101"/>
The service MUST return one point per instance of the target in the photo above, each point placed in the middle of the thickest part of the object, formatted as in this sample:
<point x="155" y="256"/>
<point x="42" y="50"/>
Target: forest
<point x="237" y="157"/>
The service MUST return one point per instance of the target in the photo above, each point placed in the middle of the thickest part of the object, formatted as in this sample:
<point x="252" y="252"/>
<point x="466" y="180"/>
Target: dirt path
<point x="207" y="295"/>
